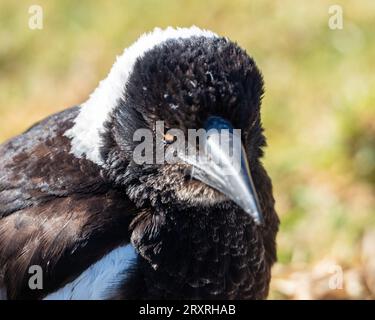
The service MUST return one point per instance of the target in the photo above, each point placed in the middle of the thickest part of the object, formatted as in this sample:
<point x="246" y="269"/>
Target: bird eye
<point x="169" y="138"/>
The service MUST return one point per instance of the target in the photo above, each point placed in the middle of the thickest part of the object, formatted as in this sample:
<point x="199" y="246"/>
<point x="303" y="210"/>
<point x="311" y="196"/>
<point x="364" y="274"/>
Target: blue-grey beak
<point x="226" y="168"/>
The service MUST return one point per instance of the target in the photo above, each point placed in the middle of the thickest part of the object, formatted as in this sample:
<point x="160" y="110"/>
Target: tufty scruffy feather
<point x="102" y="226"/>
<point x="95" y="111"/>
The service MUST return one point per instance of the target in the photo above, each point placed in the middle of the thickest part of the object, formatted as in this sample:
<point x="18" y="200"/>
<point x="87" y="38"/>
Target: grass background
<point x="318" y="109"/>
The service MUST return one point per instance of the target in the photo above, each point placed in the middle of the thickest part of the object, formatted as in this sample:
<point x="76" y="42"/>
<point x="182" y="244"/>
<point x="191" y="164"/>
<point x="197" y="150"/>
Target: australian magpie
<point x="100" y="225"/>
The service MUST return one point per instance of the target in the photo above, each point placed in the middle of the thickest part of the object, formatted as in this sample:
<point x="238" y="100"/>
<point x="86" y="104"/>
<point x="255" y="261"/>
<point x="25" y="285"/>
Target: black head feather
<point x="183" y="82"/>
<point x="188" y="235"/>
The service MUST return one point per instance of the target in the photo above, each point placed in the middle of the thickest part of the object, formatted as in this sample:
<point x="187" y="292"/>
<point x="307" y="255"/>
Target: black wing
<point x="56" y="210"/>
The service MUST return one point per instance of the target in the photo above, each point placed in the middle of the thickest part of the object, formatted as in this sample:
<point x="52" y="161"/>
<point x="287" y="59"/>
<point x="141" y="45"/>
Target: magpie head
<point x="182" y="84"/>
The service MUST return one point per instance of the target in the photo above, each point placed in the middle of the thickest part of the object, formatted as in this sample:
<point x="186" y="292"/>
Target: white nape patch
<point x="3" y="294"/>
<point x="85" y="134"/>
<point x="100" y="279"/>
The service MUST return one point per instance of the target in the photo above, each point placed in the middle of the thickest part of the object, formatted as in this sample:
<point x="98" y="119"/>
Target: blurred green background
<point x="318" y="109"/>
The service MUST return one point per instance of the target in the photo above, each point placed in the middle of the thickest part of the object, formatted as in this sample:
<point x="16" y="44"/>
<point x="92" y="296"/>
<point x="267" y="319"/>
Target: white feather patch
<point x="85" y="134"/>
<point x="100" y="279"/>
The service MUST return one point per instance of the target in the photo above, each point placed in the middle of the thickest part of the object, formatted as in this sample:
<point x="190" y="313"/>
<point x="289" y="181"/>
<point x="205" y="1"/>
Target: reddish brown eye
<point x="169" y="138"/>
